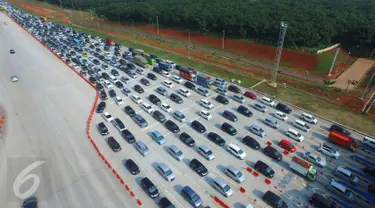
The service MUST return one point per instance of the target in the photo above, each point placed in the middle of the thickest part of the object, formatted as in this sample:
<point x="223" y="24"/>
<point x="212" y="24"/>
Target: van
<point x="191" y="196"/>
<point x="140" y="121"/>
<point x="222" y="187"/>
<point x="301" y="125"/>
<point x="222" y="91"/>
<point x="142" y="148"/>
<point x="345" y="174"/>
<point x="203" y="91"/>
<point x="309" y="118"/>
<point x="175" y="152"/>
<point x="206" y="104"/>
<point x="295" y="135"/>
<point x="272" y="122"/>
<point x="260" y="107"/>
<point x="165" y="171"/>
<point x="369" y="142"/>
<point x="340" y="190"/>
<point x="234" y="174"/>
<point x="112" y="79"/>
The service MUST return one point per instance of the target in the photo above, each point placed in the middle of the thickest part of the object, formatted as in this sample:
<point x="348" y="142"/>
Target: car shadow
<point x="319" y="136"/>
<point x="187" y="162"/>
<point x="326" y="128"/>
<point x="250" y="163"/>
<point x="208" y="180"/>
<point x="221" y="168"/>
<point x="178" y="188"/>
<point x="258" y="193"/>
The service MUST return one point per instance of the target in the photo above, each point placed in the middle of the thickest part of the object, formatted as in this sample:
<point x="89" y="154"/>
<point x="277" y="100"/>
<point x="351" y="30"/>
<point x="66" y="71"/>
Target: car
<point x="207" y="104"/>
<point x="145" y="82"/>
<point x="162" y="91"/>
<point x="198" y="167"/>
<point x="234" y="88"/>
<point x="260" y="107"/>
<point x="172" y="126"/>
<point x="273" y="153"/>
<point x="239" y="98"/>
<point x="168" y="83"/>
<point x="136" y="99"/>
<point x="128" y="136"/>
<point x="107" y="84"/>
<point x="118" y="124"/>
<point x="101" y="107"/>
<point x="321" y="201"/>
<point x="165" y="74"/>
<point x="268" y="101"/>
<point x="149" y="188"/>
<point x="126" y="91"/>
<point x="139" y="71"/>
<point x="236" y="151"/>
<point x="230" y="116"/>
<point x="234" y="174"/>
<point x="229" y="129"/>
<point x="206" y="152"/>
<point x="271" y="122"/>
<point x="129" y="110"/>
<point x="138" y="89"/>
<point x="287" y="145"/>
<point x="250" y="95"/>
<point x="222" y="91"/>
<point x="329" y="151"/>
<point x="308" y="118"/>
<point x="99" y="86"/>
<point x="191" y="196"/>
<point x="107" y="116"/>
<point x="165" y="171"/>
<point x="221" y="99"/>
<point x="315" y="159"/>
<point x="264" y="169"/>
<point x="251" y="142"/>
<point x="158" y="138"/>
<point x="244" y="111"/>
<point x="112" y="93"/>
<point x="341" y="191"/>
<point x="113" y="144"/>
<point x="119" y="84"/>
<point x="151" y="76"/>
<point x="340" y="129"/>
<point x="177" y="79"/>
<point x="280" y="115"/>
<point x="199" y="127"/>
<point x="257" y="130"/>
<point x="30" y="202"/>
<point x="283" y="108"/>
<point x="165" y="203"/>
<point x="189" y="85"/>
<point x="165" y="107"/>
<point x="11" y="51"/>
<point x="273" y="200"/>
<point x="369" y="171"/>
<point x="215" y="138"/>
<point x="132" y="167"/>
<point x="125" y="79"/>
<point x="14" y="78"/>
<point x="132" y="74"/>
<point x="187" y="139"/>
<point x="119" y="100"/>
<point x="114" y="72"/>
<point x="179" y="116"/>
<point x="154" y="99"/>
<point x="147" y="107"/>
<point x="205" y="114"/>
<point x="184" y="92"/>
<point x="142" y="148"/>
<point x="295" y="135"/>
<point x="138" y="119"/>
<point x="175" y="152"/>
<point x="159" y="116"/>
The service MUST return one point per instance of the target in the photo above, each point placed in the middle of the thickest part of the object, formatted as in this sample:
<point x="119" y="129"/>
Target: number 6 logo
<point x="23" y="177"/>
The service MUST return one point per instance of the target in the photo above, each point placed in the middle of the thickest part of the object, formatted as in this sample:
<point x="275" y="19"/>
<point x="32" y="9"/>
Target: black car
<point x="129" y="110"/>
<point x="273" y="153"/>
<point x="189" y="85"/>
<point x="221" y="99"/>
<point x="230" y="116"/>
<point x="234" y="88"/>
<point x="283" y="108"/>
<point x="119" y="85"/>
<point x="102" y="129"/>
<point x="145" y="82"/>
<point x="103" y="95"/>
<point x="138" y="88"/>
<point x="244" y="111"/>
<point x="105" y="75"/>
<point x="30" y="202"/>
<point x="186" y="139"/>
<point x="132" y="167"/>
<point x="340" y="129"/>
<point x="149" y="187"/>
<point x="264" y="169"/>
<point x="128" y="136"/>
<point x="116" y="53"/>
<point x="112" y="93"/>
<point x="12" y="51"/>
<point x="165" y="203"/>
<point x="251" y="142"/>
<point x="113" y="144"/>
<point x="369" y="171"/>
<point x="114" y="72"/>
<point x="151" y="76"/>
<point x="229" y="129"/>
<point x="175" y="98"/>
<point x="321" y="201"/>
<point x="197" y="126"/>
<point x="98" y="50"/>
<point x="172" y="126"/>
<point x="274" y="200"/>
<point x="131" y="66"/>
<point x="198" y="167"/>
<point x="99" y="86"/>
<point x="153" y="99"/>
<point x="122" y="61"/>
<point x="215" y="138"/>
<point x="101" y="107"/>
<point x="159" y="116"/>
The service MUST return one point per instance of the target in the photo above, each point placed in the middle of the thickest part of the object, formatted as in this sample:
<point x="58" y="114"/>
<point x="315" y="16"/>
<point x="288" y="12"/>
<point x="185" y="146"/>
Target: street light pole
<point x="222" y="39"/>
<point x="333" y="62"/>
<point x="189" y="45"/>
<point x="157" y="25"/>
<point x="118" y="19"/>
<point x="133" y="30"/>
<point x="368" y="85"/>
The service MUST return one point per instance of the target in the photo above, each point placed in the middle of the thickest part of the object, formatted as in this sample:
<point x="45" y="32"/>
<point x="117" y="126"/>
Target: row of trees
<point x="312" y="23"/>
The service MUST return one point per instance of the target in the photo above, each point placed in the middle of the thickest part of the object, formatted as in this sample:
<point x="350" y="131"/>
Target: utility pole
<point x="279" y="50"/>
<point x="372" y="52"/>
<point x="80" y="14"/>
<point x="118" y="19"/>
<point x="73" y="10"/>
<point x="61" y="5"/>
<point x="368" y="85"/>
<point x="222" y="39"/>
<point x="133" y="30"/>
<point x="157" y="25"/>
<point x="189" y="44"/>
<point x="333" y="62"/>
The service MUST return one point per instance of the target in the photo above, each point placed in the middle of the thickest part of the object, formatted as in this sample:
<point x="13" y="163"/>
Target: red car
<point x="287" y="145"/>
<point x="250" y="95"/>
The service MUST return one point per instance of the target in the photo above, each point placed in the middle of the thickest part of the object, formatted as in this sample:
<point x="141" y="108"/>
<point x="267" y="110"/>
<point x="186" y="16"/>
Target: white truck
<point x="304" y="168"/>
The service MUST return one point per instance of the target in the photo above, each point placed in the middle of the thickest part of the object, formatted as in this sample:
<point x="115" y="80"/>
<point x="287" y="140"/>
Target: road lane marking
<point x="173" y="197"/>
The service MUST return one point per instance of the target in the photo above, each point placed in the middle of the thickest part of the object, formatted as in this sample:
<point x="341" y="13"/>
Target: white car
<point x="14" y="78"/>
<point x="206" y="104"/>
<point x="177" y="79"/>
<point x="147" y="107"/>
<point x="184" y="92"/>
<point x="107" y="84"/>
<point x="107" y="116"/>
<point x="119" y="100"/>
<point x="165" y="74"/>
<point x="295" y="135"/>
<point x="136" y="99"/>
<point x="311" y="157"/>
<point x="280" y="115"/>
<point x="236" y="151"/>
<point x="205" y="114"/>
<point x="165" y="107"/>
<point x="268" y="101"/>
<point x="167" y="83"/>
<point x="329" y="151"/>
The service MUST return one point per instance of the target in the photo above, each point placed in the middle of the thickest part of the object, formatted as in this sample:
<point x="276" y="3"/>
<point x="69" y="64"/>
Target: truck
<point x="140" y="60"/>
<point x="110" y="42"/>
<point x="187" y="73"/>
<point x="205" y="81"/>
<point x="165" y="66"/>
<point x="303" y="167"/>
<point x="343" y="140"/>
<point x="149" y="59"/>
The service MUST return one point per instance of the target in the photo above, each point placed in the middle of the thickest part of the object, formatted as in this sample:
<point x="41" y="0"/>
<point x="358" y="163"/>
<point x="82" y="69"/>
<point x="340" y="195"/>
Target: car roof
<point x="235" y="147"/>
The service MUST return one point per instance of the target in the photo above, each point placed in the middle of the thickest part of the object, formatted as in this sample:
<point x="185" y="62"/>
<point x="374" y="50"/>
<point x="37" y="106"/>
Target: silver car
<point x="234" y="174"/>
<point x="315" y="159"/>
<point x="206" y="152"/>
<point x="222" y="187"/>
<point x="329" y="151"/>
<point x="165" y="171"/>
<point x="257" y="130"/>
<point x="176" y="153"/>
<point x="142" y="148"/>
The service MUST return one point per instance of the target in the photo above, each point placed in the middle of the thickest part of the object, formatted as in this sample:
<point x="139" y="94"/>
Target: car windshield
<point x="239" y="174"/>
<point x="277" y="153"/>
<point x="195" y="197"/>
<point x="318" y="159"/>
<point x="168" y="172"/>
<point x="209" y="152"/>
<point x="240" y="151"/>
<point x="268" y="170"/>
<point x="152" y="189"/>
<point x="179" y="153"/>
<point x="189" y="139"/>
<point x="291" y="146"/>
<point x="231" y="129"/>
<point x="226" y="188"/>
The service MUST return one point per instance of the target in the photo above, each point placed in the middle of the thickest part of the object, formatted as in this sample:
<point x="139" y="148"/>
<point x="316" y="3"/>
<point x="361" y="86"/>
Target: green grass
<point x="324" y="62"/>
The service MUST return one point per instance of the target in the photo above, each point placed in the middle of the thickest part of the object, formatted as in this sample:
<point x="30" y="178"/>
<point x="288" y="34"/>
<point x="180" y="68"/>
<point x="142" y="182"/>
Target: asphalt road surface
<point x="47" y="111"/>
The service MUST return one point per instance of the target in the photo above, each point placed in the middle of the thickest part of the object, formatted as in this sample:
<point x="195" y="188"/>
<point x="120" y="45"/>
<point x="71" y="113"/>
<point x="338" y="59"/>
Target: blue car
<point x="126" y="91"/>
<point x="162" y="91"/>
<point x="160" y="139"/>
